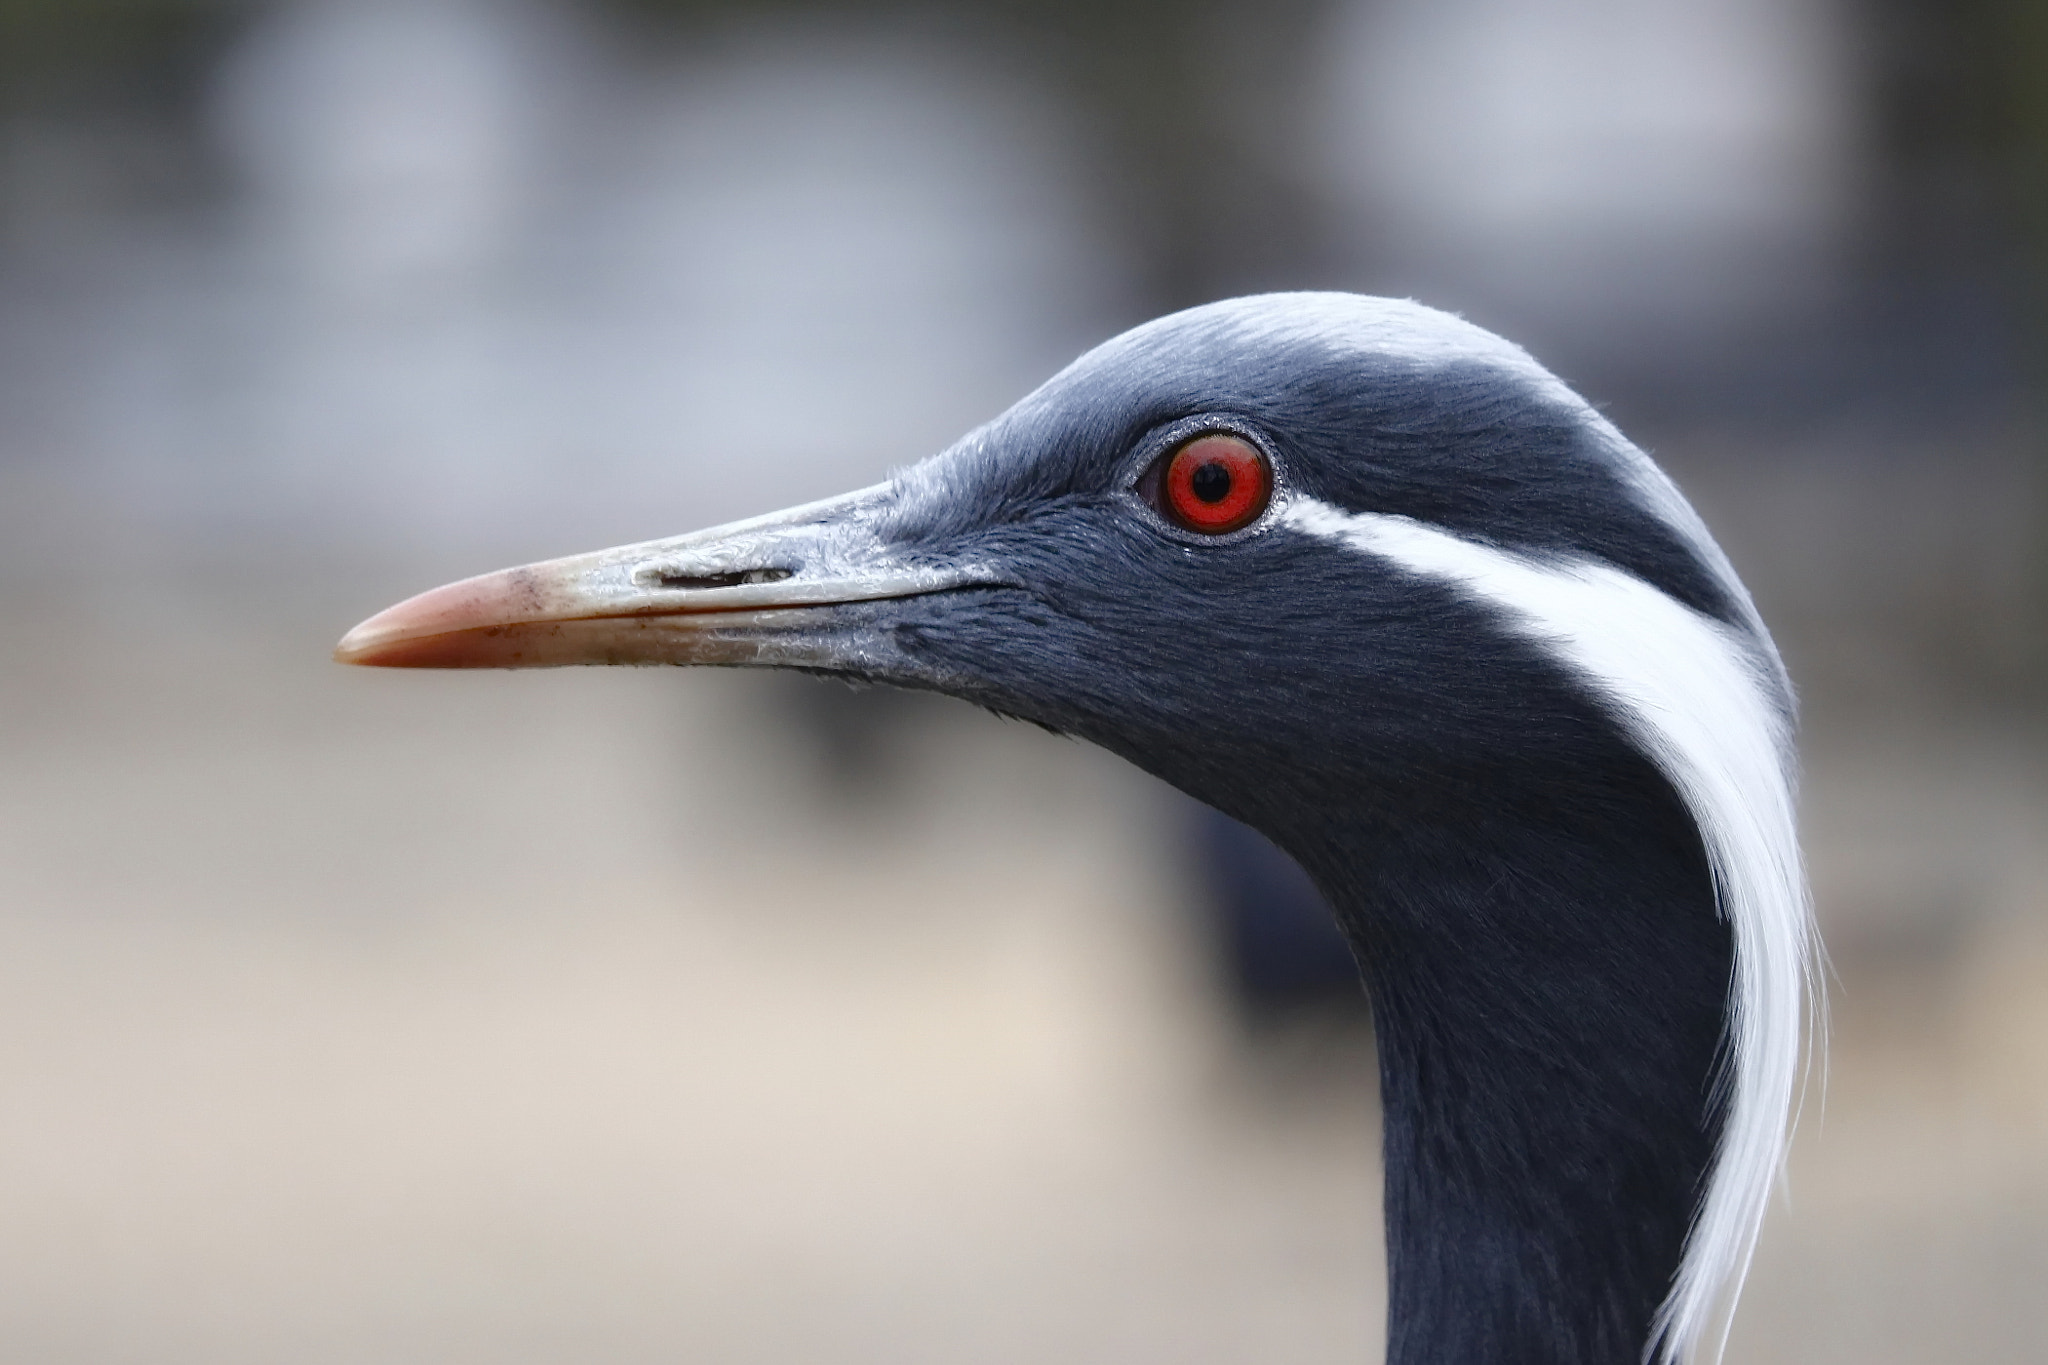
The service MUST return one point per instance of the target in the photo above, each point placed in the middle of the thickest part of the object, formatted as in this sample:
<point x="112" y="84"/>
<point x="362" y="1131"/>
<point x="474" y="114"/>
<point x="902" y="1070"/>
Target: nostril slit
<point x="738" y="578"/>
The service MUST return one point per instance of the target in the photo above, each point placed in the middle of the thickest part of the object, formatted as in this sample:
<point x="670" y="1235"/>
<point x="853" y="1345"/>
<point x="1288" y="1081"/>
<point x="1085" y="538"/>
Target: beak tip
<point x="361" y="645"/>
<point x="395" y="636"/>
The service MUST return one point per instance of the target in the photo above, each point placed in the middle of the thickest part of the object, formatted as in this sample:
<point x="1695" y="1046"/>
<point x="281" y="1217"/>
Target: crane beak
<point x="772" y="591"/>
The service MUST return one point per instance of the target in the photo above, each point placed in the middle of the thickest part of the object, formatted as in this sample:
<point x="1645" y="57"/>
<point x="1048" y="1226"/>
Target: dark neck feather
<point x="1549" y="985"/>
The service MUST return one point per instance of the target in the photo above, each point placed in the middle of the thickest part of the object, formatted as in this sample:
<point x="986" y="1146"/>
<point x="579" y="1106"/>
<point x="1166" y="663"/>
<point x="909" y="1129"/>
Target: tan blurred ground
<point x="349" y="1016"/>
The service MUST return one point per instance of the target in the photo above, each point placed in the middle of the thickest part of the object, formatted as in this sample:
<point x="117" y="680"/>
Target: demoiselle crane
<point x="1369" y="579"/>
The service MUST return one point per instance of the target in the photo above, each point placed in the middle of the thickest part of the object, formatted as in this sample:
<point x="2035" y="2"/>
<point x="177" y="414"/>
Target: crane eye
<point x="1214" y="484"/>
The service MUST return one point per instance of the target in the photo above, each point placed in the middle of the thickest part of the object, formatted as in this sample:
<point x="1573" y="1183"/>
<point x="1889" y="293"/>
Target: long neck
<point x="1549" y="986"/>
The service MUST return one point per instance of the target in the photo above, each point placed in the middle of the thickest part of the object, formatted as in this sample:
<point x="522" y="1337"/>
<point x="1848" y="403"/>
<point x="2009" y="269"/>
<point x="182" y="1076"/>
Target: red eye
<point x="1216" y="483"/>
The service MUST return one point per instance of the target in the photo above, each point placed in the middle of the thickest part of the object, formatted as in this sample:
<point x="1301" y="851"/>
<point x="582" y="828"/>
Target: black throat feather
<point x="1548" y="989"/>
<point x="1530" y="903"/>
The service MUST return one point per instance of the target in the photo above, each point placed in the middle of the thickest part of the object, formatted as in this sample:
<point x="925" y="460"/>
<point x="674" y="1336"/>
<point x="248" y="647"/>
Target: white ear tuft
<point x="1708" y="705"/>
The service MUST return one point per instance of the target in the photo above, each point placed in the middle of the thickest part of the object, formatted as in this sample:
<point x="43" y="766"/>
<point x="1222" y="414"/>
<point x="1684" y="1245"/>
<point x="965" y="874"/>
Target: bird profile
<point x="1368" y="578"/>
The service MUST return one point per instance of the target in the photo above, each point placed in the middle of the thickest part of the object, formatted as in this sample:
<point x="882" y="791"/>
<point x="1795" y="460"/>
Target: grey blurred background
<point x="631" y="1016"/>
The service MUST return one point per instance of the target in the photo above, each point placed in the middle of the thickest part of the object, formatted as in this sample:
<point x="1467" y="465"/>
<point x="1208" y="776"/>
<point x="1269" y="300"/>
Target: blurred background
<point x="631" y="1016"/>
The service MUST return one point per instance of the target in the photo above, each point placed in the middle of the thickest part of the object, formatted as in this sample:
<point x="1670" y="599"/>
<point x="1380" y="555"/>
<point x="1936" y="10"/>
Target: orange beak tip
<point x="440" y="628"/>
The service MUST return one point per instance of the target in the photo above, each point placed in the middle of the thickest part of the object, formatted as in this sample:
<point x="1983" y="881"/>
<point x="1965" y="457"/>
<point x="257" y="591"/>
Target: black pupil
<point x="1210" y="482"/>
